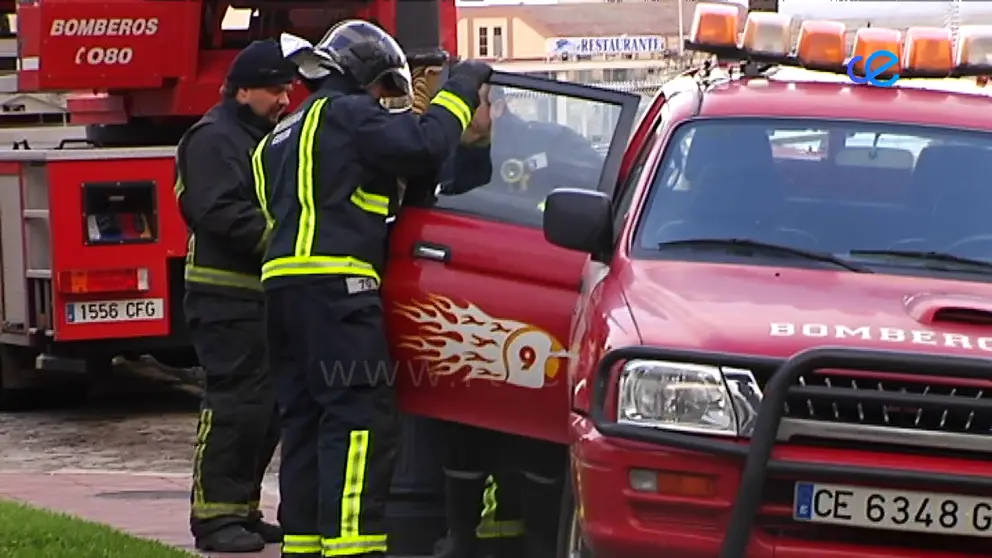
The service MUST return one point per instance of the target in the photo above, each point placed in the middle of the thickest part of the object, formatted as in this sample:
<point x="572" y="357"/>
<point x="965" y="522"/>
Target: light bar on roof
<point x="715" y="25"/>
<point x="870" y="40"/>
<point x="928" y="51"/>
<point x="768" y="33"/>
<point x="974" y="47"/>
<point x="822" y="44"/>
<point x="925" y="52"/>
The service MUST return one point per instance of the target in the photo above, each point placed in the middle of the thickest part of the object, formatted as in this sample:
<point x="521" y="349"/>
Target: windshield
<point x="890" y="196"/>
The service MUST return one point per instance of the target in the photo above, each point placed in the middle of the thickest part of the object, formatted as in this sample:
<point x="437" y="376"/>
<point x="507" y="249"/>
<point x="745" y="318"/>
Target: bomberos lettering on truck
<point x="104" y="27"/>
<point x="881" y="334"/>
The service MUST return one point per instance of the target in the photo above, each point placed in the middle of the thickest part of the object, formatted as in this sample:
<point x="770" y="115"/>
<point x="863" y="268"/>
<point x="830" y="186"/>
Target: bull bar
<point x="756" y="455"/>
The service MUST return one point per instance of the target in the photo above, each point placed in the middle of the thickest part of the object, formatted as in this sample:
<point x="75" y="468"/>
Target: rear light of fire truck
<point x="923" y="51"/>
<point x="127" y="280"/>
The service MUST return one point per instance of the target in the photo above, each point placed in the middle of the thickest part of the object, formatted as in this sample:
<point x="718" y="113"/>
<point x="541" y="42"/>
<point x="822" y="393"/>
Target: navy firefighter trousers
<point x="330" y="368"/>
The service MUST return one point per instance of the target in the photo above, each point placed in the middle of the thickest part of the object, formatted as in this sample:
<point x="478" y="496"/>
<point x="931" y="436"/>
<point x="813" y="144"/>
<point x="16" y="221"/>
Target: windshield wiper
<point x="767" y="247"/>
<point x="926" y="257"/>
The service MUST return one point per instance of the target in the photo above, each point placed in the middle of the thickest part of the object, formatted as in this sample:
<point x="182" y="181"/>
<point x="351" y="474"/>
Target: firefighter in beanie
<point x="326" y="177"/>
<point x="224" y="303"/>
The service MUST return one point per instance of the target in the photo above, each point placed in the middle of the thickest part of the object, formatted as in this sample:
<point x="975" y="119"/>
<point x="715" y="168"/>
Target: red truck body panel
<point x="71" y="252"/>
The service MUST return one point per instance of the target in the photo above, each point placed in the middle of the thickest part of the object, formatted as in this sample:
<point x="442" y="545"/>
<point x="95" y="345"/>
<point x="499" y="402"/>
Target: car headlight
<point x="688" y="397"/>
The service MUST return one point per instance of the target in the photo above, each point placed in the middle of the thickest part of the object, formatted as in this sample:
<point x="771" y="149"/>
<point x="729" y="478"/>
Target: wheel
<point x="571" y="542"/>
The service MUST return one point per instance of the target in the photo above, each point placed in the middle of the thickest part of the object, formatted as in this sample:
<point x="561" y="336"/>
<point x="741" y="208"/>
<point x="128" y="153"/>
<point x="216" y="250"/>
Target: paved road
<point x="135" y="421"/>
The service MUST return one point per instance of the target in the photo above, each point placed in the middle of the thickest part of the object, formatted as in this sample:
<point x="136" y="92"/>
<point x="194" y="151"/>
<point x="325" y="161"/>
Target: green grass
<point x="32" y="533"/>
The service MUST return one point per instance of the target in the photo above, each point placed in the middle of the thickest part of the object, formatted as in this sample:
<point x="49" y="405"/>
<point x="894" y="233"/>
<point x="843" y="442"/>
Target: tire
<point x="571" y="542"/>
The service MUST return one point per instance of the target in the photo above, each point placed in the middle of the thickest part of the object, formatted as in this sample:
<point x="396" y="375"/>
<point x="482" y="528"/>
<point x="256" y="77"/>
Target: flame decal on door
<point x="461" y="339"/>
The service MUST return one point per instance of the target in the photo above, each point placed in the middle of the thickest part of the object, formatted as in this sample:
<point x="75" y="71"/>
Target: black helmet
<point x="366" y="53"/>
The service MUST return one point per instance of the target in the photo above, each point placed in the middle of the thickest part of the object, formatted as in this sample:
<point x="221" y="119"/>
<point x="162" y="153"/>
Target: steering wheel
<point x="955" y="247"/>
<point x="807" y="238"/>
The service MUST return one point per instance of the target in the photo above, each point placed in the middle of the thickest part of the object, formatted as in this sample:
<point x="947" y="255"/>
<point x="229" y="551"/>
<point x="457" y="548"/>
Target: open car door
<point x="478" y="304"/>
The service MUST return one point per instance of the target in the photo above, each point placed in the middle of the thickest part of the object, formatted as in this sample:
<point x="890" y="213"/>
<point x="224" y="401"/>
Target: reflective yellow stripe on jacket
<point x="453" y="104"/>
<point x="350" y="541"/>
<point x="216" y="277"/>
<point x="373" y="203"/>
<point x="303" y="262"/>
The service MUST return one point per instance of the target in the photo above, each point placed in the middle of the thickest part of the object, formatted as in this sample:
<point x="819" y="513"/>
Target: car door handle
<point x="431" y="251"/>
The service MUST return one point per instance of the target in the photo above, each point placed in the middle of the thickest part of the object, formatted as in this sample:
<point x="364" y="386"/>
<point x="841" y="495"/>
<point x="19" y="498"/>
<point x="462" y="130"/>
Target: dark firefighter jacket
<point x="216" y="196"/>
<point x="327" y="175"/>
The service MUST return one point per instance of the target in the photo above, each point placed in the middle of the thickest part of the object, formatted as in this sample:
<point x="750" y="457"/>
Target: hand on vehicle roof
<point x="471" y="73"/>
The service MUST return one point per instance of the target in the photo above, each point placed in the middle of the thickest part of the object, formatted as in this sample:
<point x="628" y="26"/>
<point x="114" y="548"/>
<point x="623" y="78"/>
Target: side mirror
<point x="579" y="220"/>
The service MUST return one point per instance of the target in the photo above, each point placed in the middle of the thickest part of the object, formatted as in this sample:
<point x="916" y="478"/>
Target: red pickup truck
<point x="781" y="346"/>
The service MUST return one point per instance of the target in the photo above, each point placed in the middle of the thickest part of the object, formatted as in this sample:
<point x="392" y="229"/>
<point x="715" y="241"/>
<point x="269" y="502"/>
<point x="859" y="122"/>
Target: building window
<point x="497" y="42"/>
<point x="483" y="42"/>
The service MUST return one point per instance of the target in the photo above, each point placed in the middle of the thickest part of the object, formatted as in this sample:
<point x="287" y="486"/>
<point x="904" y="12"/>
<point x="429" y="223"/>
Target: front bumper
<point x="751" y="514"/>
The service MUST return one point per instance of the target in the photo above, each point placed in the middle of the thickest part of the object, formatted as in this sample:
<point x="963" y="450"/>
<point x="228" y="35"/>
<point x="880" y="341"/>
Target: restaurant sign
<point x="623" y="44"/>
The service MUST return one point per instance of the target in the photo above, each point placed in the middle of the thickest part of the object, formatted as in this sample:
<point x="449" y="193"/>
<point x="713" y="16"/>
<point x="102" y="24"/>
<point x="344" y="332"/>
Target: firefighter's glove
<point x="471" y="75"/>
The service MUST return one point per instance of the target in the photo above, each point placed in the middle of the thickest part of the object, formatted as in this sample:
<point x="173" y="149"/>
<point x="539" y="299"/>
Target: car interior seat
<point x="952" y="181"/>
<point x="732" y="182"/>
<point x="734" y="172"/>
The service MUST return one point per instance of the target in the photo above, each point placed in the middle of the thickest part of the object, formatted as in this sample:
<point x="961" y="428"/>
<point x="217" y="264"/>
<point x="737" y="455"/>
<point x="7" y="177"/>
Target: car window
<point x="540" y="142"/>
<point x="822" y="185"/>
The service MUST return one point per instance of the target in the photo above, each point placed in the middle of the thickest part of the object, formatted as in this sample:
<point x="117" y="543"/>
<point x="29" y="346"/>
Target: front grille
<point x="932" y="404"/>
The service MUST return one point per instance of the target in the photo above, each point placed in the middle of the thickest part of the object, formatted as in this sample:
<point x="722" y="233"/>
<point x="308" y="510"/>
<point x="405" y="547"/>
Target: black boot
<point x="463" y="508"/>
<point x="270" y="532"/>
<point x="231" y="538"/>
<point x="541" y="500"/>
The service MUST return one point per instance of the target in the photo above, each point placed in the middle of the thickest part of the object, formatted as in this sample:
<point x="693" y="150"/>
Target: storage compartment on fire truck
<point x="119" y="212"/>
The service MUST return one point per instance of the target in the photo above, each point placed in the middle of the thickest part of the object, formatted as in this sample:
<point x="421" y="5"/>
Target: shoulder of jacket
<point x="359" y="102"/>
<point x="210" y="137"/>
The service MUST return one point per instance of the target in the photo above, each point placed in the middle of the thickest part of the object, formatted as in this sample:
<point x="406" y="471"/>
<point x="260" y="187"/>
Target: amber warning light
<point x="880" y="56"/>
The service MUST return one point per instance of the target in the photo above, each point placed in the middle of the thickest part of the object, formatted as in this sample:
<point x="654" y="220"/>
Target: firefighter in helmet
<point x="238" y="427"/>
<point x="325" y="177"/>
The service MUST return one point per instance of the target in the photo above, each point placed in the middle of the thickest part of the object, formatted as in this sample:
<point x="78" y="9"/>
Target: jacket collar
<point x="257" y="126"/>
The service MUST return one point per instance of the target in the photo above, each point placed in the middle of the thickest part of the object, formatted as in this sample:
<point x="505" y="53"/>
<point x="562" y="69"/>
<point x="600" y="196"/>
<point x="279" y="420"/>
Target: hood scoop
<point x="932" y="309"/>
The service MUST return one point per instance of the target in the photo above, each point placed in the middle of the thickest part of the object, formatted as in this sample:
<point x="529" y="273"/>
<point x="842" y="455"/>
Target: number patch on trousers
<point x="134" y="310"/>
<point x="896" y="510"/>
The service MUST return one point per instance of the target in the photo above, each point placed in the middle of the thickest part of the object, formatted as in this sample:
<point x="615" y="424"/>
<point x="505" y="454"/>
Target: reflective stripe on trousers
<point x="350" y="541"/>
<point x="301" y="544"/>
<point x="489" y="527"/>
<point x="199" y="507"/>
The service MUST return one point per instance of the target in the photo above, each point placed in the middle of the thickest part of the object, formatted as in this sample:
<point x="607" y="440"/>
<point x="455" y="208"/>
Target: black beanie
<point x="261" y="64"/>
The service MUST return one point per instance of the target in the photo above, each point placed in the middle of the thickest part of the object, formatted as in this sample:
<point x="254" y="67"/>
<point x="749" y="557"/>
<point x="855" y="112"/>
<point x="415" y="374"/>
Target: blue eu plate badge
<point x="804" y="501"/>
<point x="70" y="313"/>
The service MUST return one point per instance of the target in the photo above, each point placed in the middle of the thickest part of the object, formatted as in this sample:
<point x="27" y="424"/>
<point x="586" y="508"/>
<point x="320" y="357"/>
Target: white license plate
<point x="138" y="309"/>
<point x="896" y="510"/>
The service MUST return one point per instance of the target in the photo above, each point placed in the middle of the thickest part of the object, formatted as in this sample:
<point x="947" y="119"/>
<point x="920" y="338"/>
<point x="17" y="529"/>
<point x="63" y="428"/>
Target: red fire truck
<point x="92" y="245"/>
<point x="782" y="343"/>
